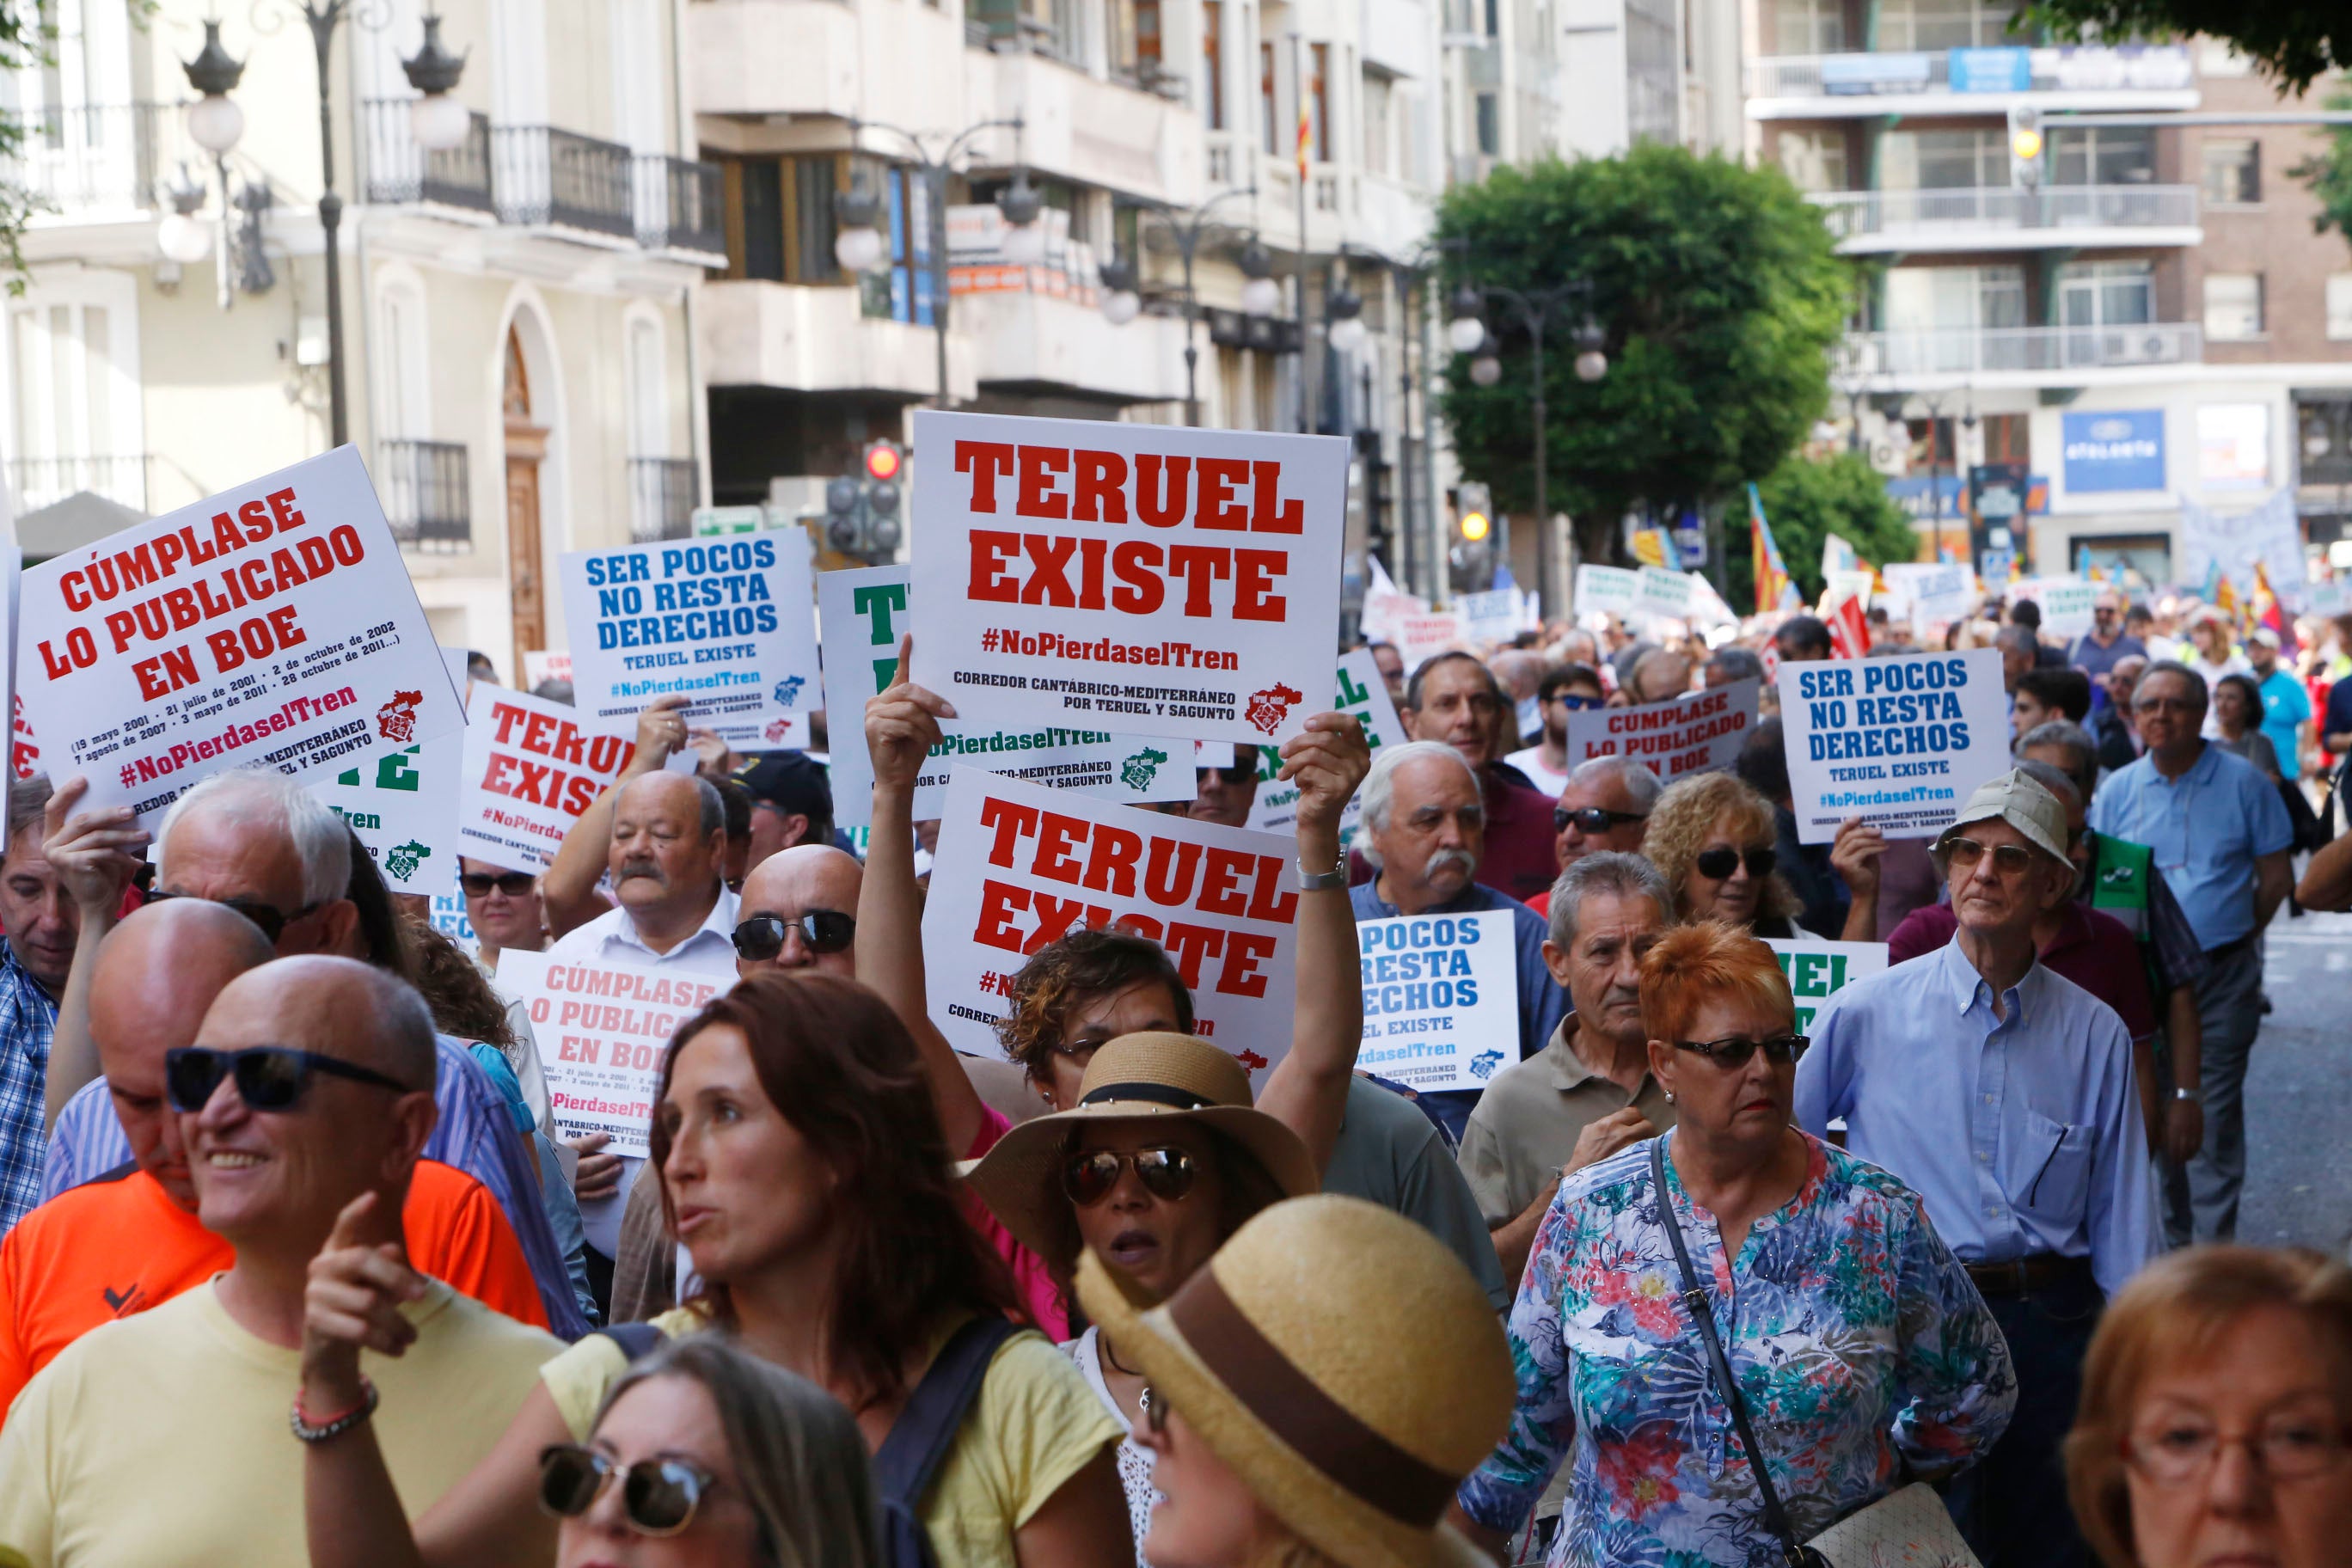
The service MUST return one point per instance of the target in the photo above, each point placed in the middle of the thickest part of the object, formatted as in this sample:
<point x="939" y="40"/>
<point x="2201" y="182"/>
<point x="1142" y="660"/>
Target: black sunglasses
<point x="761" y="937"/>
<point x="271" y="920"/>
<point x="268" y="1078"/>
<point x="1577" y="700"/>
<point x="513" y="884"/>
<point x="1591" y="818"/>
<point x="1166" y="1173"/>
<point x="658" y="1496"/>
<point x="1736" y="1054"/>
<point x="1231" y="776"/>
<point x="1717" y="864"/>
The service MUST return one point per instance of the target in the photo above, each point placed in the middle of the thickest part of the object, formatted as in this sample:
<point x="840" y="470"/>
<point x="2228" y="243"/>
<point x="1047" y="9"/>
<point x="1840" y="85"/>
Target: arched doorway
<point x="526" y="446"/>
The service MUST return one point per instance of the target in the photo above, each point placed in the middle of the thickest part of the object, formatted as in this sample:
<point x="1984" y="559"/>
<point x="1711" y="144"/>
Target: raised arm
<point x="569" y="888"/>
<point x="95" y="854"/>
<point x="1854" y="855"/>
<point x="1308" y="1090"/>
<point x="902" y="725"/>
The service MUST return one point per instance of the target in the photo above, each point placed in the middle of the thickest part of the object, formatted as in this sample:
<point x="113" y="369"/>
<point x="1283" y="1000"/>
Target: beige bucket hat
<point x="1341" y="1362"/>
<point x="2018" y="798"/>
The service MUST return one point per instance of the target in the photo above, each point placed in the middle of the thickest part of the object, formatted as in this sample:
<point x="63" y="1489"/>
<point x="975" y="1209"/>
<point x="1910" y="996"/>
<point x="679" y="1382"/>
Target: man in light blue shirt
<point x="2286" y="706"/>
<point x="2003" y="1094"/>
<point x="2220" y="838"/>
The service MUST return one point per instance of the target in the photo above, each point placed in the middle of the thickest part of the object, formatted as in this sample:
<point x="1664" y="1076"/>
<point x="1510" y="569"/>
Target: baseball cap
<point x="2264" y="636"/>
<point x="2016" y="798"/>
<point x="792" y="782"/>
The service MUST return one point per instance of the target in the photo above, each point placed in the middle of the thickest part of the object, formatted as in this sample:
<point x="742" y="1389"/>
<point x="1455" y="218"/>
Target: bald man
<point x="130" y="1240"/>
<point x="161" y="1438"/>
<point x="798" y="911"/>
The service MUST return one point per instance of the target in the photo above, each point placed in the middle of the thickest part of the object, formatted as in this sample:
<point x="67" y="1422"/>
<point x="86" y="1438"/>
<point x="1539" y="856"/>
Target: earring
<point x="1670" y="1097"/>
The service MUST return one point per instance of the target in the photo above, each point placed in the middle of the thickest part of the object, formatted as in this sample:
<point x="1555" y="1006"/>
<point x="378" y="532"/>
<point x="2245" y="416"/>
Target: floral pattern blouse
<point x="1858" y="1340"/>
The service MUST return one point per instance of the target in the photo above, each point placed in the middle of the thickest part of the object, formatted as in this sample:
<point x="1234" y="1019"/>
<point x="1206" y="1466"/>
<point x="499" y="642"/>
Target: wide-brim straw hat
<point x="1144" y="1077"/>
<point x="1339" y="1361"/>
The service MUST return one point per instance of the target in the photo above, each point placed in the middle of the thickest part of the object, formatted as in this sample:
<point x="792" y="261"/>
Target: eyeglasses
<point x="1231" y="776"/>
<point x="761" y="937"/>
<point x="1166" y="1173"/>
<point x="2165" y="705"/>
<point x="2009" y="859"/>
<point x="1734" y="1054"/>
<point x="513" y="884"/>
<point x="268" y="919"/>
<point x="658" y="1496"/>
<point x="2289" y="1449"/>
<point x="1592" y="820"/>
<point x="268" y="1078"/>
<point x="1577" y="701"/>
<point x="1716" y="863"/>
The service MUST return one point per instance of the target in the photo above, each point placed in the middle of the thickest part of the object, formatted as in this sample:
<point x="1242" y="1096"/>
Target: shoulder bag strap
<point x="926" y="1428"/>
<point x="1776" y="1517"/>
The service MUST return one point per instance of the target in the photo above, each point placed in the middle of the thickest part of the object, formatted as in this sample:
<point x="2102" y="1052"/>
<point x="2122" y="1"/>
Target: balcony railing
<point x="661" y="498"/>
<point x="1982" y="350"/>
<point x="1854" y="215"/>
<point x="36" y="482"/>
<point x="2132" y="67"/>
<point x="400" y="171"/>
<point x="89" y="155"/>
<point x="423" y="485"/>
<point x="681" y="206"/>
<point x="560" y="178"/>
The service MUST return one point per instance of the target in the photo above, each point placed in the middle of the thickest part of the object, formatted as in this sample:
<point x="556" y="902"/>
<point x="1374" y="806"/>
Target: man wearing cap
<point x="791" y="803"/>
<point x="2002" y="1093"/>
<point x="2286" y="706"/>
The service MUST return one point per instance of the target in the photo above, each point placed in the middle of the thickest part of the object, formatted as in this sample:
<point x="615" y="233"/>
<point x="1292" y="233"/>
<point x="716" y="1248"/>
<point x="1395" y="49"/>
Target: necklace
<point x="1110" y="1355"/>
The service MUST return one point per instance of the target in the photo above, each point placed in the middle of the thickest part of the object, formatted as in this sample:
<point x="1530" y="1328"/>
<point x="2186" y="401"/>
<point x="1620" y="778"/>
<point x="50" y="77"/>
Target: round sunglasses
<point x="1716" y="863"/>
<point x="1166" y="1173"/>
<point x="761" y="937"/>
<point x="657" y="1496"/>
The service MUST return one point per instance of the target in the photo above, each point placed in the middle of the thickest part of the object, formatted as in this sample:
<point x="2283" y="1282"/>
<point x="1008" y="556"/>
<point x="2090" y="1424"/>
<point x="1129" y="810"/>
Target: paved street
<point x="2299" y="1089"/>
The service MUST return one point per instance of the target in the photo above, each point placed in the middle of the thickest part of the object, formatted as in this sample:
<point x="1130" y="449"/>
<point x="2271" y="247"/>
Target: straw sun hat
<point x="1339" y="1361"/>
<point x="1135" y="1078"/>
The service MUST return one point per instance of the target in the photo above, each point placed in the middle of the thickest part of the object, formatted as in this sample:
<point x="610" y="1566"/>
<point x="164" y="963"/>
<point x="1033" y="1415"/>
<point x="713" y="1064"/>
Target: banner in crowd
<point x="1018" y="866"/>
<point x="602" y="1028"/>
<point x="1898" y="742"/>
<point x="272" y="624"/>
<point x="545" y="664"/>
<point x="1385" y="604"/>
<point x="1606" y="591"/>
<point x="1422" y="637"/>
<point x="863" y="612"/>
<point x="403" y="806"/>
<point x="528" y="771"/>
<point x="1694" y="734"/>
<point x="1496" y="615"/>
<point x="2271" y="533"/>
<point x="728" y="623"/>
<point x="1818" y="971"/>
<point x="1933" y="593"/>
<point x="1174" y="581"/>
<point x="2067" y="603"/>
<point x="1440" y="998"/>
<point x="1363" y="694"/>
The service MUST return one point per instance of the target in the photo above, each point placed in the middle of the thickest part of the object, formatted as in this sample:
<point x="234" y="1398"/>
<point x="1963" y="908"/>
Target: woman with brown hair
<point x="802" y="1165"/>
<point x="2217" y="1406"/>
<point x="1711" y="838"/>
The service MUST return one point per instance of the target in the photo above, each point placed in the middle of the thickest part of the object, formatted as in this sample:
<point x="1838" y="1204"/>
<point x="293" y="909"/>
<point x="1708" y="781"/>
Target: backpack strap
<point x="919" y="1439"/>
<point x="638" y="1340"/>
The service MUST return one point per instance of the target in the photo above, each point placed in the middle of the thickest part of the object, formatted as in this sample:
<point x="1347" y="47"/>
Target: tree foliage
<point x="1805" y="502"/>
<point x="2290" y="41"/>
<point x="1721" y="291"/>
<point x="26" y="37"/>
<point x="2329" y="173"/>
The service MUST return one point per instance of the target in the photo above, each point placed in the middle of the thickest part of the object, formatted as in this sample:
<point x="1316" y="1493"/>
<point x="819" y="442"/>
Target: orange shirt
<point x="120" y="1245"/>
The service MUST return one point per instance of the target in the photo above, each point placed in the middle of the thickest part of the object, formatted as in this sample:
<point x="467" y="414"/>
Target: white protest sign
<point x="2067" y="603"/>
<point x="1694" y="734"/>
<point x="728" y="623"/>
<point x="12" y="561"/>
<point x="273" y="624"/>
<point x="1663" y="592"/>
<point x="450" y="919"/>
<point x="528" y="771"/>
<point x="865" y="610"/>
<point x="403" y="804"/>
<point x="602" y="1029"/>
<point x="1175" y="582"/>
<point x="1818" y="971"/>
<point x="1936" y="592"/>
<point x="1363" y="694"/>
<point x="1606" y="591"/>
<point x="1440" y="998"/>
<point x="545" y="664"/>
<point x="1899" y="742"/>
<point x="1384" y="604"/>
<point x="1019" y="865"/>
<point x="1491" y="617"/>
<point x="1422" y="637"/>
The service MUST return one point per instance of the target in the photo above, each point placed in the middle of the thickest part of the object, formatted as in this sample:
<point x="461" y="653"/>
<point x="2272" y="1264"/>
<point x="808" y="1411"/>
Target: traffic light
<point x="883" y="463"/>
<point x="2025" y="147"/>
<point x="844" y="515"/>
<point x="1474" y="515"/>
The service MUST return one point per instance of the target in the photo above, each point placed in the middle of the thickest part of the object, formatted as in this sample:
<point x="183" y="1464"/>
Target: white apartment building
<point x="516" y="310"/>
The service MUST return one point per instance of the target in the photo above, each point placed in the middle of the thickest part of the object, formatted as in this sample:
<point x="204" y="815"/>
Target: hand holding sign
<point x="902" y="725"/>
<point x="1853" y="855"/>
<point x="1327" y="761"/>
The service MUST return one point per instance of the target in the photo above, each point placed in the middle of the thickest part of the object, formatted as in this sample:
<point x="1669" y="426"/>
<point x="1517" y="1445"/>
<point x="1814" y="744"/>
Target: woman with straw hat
<point x="1315" y="1392"/>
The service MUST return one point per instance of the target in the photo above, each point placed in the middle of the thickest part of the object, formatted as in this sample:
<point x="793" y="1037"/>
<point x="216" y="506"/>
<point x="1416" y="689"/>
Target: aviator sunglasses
<point x="658" y="1496"/>
<point x="1166" y="1173"/>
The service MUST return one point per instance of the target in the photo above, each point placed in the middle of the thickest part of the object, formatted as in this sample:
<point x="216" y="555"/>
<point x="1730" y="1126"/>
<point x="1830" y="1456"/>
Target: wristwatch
<point x="1324" y="882"/>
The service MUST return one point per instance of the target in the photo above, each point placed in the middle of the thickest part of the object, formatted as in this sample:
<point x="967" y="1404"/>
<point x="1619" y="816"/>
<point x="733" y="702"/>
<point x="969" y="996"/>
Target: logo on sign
<point x="788" y="689"/>
<point x="1141" y="768"/>
<point x="1266" y="707"/>
<point x="777" y="729"/>
<point x="1250" y="1059"/>
<point x="404" y="860"/>
<point x="1483" y="1065"/>
<point x="396" y="720"/>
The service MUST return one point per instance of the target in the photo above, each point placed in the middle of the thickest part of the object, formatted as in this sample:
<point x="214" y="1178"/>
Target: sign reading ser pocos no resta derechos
<point x="1899" y="742"/>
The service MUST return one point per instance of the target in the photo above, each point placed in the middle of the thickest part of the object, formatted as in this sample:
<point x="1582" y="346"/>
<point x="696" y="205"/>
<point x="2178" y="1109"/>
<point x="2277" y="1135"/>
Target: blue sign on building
<point x="1990" y="70"/>
<point x="2114" y="449"/>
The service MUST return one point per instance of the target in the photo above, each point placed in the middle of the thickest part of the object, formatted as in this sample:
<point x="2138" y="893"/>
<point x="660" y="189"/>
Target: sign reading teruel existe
<point x="272" y="624"/>
<point x="531" y="768"/>
<point x="1019" y="865"/>
<point x="1134" y="577"/>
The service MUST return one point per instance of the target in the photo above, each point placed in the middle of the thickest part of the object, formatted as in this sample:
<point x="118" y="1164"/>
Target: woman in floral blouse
<point x="1861" y="1347"/>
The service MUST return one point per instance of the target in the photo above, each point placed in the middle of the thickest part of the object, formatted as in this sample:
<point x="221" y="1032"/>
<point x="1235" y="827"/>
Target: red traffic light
<point x="882" y="461"/>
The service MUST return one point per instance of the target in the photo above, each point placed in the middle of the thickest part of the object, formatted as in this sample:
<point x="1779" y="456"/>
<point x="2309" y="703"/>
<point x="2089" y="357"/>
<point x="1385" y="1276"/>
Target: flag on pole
<point x="2267" y="611"/>
<point x="1306" y="136"/>
<point x="1774" y="590"/>
<point x="2225" y="597"/>
<point x="1849" y="628"/>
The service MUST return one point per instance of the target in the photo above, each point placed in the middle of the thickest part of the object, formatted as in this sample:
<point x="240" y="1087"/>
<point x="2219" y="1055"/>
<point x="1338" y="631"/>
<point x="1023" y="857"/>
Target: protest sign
<point x="1384" y="603"/>
<point x="1174" y="581"/>
<point x="1818" y="971"/>
<point x="2067" y="603"/>
<point x="273" y="623"/>
<point x="863" y="612"/>
<point x="1899" y="742"/>
<point x="545" y="664"/>
<point x="403" y="806"/>
<point x="450" y="919"/>
<point x="1422" y="637"/>
<point x="1606" y="591"/>
<point x="1694" y="734"/>
<point x="1494" y="616"/>
<point x="529" y="769"/>
<point x="1018" y="866"/>
<point x="1936" y="592"/>
<point x="602" y="1028"/>
<point x="1440" y="998"/>
<point x="1362" y="694"/>
<point x="1663" y="592"/>
<point x="729" y="623"/>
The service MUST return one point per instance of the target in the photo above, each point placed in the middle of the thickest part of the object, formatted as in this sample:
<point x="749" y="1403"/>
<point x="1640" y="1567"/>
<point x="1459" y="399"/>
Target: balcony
<point x="2005" y="217"/>
<point x="1859" y="85"/>
<point x="89" y="157"/>
<point x="808" y="58"/>
<point x="661" y="498"/>
<point x="808" y="339"/>
<point x="423" y="487"/>
<point x="36" y="482"/>
<point x="1931" y="357"/>
<point x="681" y="206"/>
<point x="547" y="178"/>
<point x="399" y="171"/>
<point x="1092" y="131"/>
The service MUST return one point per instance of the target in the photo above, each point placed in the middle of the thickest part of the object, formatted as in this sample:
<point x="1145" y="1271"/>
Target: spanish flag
<point x="1773" y="589"/>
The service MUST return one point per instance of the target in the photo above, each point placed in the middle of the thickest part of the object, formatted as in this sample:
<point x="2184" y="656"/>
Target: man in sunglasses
<point x="2002" y="1093"/>
<point x="1604" y="808"/>
<point x="1224" y="784"/>
<point x="1565" y="689"/>
<point x="304" y="1107"/>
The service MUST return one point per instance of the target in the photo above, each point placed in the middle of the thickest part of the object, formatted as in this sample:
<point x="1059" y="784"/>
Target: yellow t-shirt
<point x="1035" y="1425"/>
<point x="161" y="1440"/>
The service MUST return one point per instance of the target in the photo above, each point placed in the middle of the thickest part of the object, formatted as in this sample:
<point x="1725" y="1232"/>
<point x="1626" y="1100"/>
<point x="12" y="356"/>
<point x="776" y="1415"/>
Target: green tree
<point x="2293" y="41"/>
<point x="1805" y="502"/>
<point x="25" y="37"/>
<point x="2329" y="175"/>
<point x="1721" y="291"/>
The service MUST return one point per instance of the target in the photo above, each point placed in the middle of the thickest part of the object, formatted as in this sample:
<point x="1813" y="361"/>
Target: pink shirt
<point x="1030" y="1275"/>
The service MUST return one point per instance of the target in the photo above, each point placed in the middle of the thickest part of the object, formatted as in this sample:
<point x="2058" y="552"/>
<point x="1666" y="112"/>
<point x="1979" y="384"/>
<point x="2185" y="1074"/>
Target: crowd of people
<point x="298" y="1265"/>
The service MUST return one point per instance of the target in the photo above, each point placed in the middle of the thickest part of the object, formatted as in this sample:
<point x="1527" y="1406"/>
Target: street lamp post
<point x="1120" y="277"/>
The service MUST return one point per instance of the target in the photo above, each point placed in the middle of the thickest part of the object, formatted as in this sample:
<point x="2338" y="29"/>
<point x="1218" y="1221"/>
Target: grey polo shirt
<point x="1525" y="1126"/>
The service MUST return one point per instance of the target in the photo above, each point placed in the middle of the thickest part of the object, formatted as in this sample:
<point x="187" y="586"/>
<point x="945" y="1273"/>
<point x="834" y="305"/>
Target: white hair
<point x="1642" y="785"/>
<point x="1380" y="784"/>
<point x="268" y="798"/>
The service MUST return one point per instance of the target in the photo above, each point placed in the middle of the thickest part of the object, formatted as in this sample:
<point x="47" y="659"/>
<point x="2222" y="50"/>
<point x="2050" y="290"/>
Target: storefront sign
<point x="2114" y="449"/>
